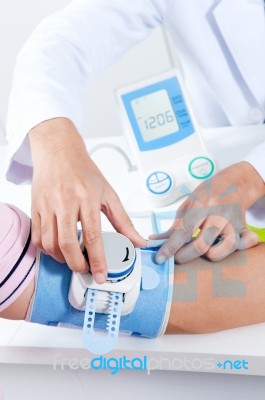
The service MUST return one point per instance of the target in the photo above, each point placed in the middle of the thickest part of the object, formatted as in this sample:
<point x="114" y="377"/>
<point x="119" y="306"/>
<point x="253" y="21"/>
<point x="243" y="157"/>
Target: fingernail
<point x="155" y="243"/>
<point x="99" y="277"/>
<point x="160" y="259"/>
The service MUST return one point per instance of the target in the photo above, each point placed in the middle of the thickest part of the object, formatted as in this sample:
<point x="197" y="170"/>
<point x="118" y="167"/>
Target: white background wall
<point x="17" y="20"/>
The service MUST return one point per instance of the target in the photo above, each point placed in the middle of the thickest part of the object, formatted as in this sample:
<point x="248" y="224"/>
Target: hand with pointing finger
<point x="217" y="208"/>
<point x="68" y="187"/>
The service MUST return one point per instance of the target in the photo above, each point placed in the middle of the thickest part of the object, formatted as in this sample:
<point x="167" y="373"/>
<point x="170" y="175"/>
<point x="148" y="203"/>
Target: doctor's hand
<point x="68" y="187"/>
<point x="217" y="208"/>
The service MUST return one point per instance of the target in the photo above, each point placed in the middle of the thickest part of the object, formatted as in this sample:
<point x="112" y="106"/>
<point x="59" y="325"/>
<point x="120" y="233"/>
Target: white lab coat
<point x="221" y="44"/>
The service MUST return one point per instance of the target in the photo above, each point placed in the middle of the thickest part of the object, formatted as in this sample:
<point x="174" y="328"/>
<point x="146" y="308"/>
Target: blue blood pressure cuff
<point x="50" y="305"/>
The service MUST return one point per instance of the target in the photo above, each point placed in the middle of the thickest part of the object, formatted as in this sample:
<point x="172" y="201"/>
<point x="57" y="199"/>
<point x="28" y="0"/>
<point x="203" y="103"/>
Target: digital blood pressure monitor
<point x="164" y="137"/>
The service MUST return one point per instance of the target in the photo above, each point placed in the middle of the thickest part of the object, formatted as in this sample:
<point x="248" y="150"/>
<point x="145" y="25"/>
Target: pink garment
<point x="17" y="254"/>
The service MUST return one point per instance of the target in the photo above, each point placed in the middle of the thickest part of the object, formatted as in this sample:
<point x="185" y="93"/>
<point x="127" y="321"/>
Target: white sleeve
<point x="64" y="53"/>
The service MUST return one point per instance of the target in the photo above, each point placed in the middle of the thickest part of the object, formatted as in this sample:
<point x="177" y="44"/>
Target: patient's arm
<point x="203" y="311"/>
<point x="18" y="309"/>
<point x="209" y="313"/>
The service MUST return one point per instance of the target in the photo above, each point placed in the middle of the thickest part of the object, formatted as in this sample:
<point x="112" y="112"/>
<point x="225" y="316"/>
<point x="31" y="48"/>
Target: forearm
<point x="251" y="183"/>
<point x="53" y="135"/>
<point x="256" y="157"/>
<point x="219" y="296"/>
<point x="242" y="178"/>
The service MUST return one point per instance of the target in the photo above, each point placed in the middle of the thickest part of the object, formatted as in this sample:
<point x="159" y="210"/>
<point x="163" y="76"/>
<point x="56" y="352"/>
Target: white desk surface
<point x="21" y="342"/>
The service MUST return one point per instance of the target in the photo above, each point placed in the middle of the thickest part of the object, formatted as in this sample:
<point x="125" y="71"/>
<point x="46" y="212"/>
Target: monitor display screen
<point x="155" y="115"/>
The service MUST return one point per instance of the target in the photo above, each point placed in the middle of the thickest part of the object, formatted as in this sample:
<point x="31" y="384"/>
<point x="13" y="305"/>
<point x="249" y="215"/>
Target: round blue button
<point x="159" y="182"/>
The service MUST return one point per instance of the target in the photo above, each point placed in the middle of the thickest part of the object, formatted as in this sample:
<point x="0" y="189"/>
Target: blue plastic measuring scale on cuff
<point x="116" y="297"/>
<point x="164" y="137"/>
<point x="96" y="343"/>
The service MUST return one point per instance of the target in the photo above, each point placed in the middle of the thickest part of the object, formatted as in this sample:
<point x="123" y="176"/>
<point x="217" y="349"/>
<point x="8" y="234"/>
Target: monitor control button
<point x="159" y="182"/>
<point x="201" y="167"/>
